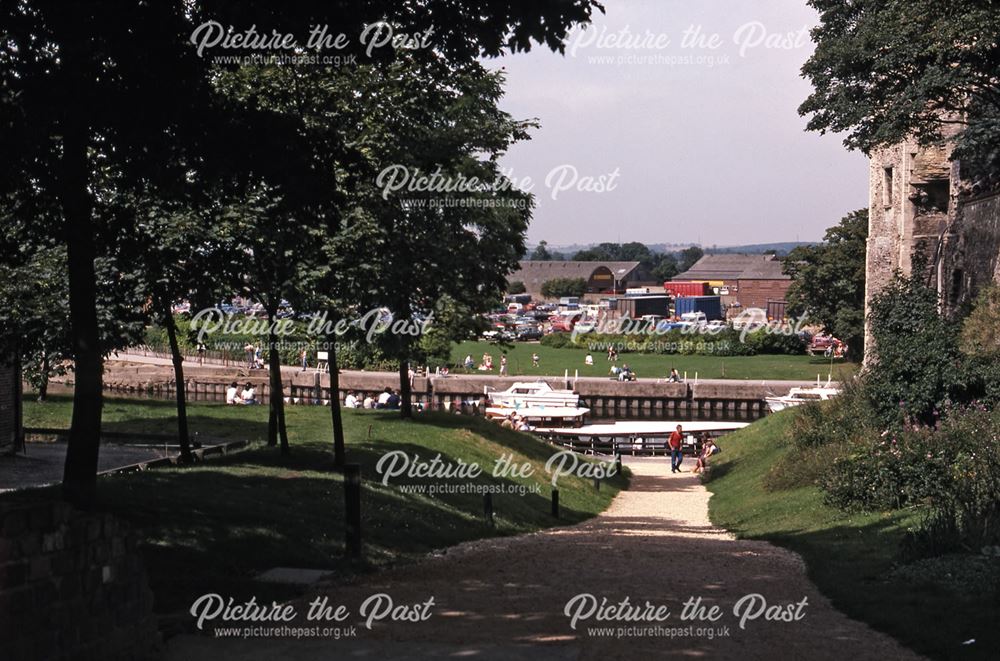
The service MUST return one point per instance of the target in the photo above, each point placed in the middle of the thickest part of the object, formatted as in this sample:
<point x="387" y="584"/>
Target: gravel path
<point x="501" y="599"/>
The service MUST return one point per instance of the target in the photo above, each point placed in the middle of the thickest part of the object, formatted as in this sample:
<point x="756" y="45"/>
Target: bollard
<point x="597" y="484"/>
<point x="488" y="508"/>
<point x="618" y="463"/>
<point x="352" y="513"/>
<point x="555" y="503"/>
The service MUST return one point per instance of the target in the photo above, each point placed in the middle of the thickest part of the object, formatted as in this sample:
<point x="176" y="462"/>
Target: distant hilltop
<point x="779" y="248"/>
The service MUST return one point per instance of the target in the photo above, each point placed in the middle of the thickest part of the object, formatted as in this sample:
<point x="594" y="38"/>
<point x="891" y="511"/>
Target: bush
<point x="558" y="341"/>
<point x="966" y="513"/>
<point x="920" y="465"/>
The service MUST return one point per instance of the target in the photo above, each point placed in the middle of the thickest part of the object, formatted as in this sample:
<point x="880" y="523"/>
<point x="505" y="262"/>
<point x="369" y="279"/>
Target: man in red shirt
<point x="676" y="454"/>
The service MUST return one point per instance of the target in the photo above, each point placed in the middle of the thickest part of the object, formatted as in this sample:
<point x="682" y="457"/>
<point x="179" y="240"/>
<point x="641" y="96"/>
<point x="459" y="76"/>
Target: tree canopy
<point x="886" y="70"/>
<point x="828" y="280"/>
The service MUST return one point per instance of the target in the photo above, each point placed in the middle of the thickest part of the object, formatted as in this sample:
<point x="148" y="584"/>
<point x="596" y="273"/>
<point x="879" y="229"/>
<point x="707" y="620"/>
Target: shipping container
<point x="776" y="310"/>
<point x="710" y="305"/>
<point x="635" y="307"/>
<point x="686" y="288"/>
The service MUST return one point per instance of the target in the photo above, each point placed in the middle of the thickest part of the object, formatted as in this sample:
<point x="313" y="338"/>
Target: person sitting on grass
<point x="233" y="394"/>
<point x="351" y="400"/>
<point x="249" y="395"/>
<point x="707" y="450"/>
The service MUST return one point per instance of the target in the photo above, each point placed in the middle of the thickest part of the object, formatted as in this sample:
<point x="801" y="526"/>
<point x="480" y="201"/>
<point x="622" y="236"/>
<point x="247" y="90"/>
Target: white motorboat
<point x="536" y="401"/>
<point x="799" y="396"/>
<point x="532" y="394"/>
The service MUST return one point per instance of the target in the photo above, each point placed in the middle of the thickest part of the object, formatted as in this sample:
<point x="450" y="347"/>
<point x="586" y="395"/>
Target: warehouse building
<point x="601" y="277"/>
<point x="742" y="281"/>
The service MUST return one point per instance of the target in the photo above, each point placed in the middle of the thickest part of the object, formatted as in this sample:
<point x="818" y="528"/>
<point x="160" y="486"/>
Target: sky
<point x="685" y="111"/>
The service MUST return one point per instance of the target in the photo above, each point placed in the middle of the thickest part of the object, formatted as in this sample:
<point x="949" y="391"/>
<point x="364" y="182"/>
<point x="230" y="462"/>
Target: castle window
<point x="887" y="186"/>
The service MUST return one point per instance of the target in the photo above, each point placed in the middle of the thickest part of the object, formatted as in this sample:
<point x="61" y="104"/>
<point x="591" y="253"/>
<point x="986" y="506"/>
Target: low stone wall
<point x="72" y="586"/>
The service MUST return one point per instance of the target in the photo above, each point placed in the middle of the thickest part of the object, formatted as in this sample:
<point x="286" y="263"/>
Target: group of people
<point x="623" y="373"/>
<point x="248" y="395"/>
<point x="254" y="356"/>
<point x="487" y="364"/>
<point x="676" y="444"/>
<point x="387" y="399"/>
<point x="515" y="421"/>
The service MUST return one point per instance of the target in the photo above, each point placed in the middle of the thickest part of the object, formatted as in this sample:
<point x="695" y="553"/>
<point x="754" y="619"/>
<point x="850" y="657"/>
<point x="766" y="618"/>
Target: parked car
<point x="528" y="333"/>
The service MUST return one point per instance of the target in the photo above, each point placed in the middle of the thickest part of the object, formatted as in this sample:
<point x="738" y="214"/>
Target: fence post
<point x="597" y="484"/>
<point x="555" y="503"/>
<point x="352" y="502"/>
<point x="488" y="509"/>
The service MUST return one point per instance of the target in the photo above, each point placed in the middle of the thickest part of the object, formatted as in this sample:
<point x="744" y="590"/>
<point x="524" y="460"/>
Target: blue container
<point x="711" y="306"/>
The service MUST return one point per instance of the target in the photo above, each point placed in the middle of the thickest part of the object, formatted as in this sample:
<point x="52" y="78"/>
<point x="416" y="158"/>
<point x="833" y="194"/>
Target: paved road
<point x="43" y="463"/>
<point x="505" y="598"/>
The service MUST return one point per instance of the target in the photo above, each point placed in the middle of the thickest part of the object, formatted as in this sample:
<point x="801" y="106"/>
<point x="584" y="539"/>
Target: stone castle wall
<point x="72" y="586"/>
<point x="918" y="203"/>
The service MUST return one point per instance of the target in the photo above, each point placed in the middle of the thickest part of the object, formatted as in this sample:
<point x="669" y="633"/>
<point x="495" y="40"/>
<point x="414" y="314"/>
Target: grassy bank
<point x="934" y="606"/>
<point x="554" y="362"/>
<point x="213" y="526"/>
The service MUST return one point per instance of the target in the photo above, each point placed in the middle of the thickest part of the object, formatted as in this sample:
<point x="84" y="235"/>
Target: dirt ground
<point x="506" y="598"/>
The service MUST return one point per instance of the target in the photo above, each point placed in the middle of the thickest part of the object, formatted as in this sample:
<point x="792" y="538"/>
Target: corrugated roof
<point x="534" y="272"/>
<point x="735" y="267"/>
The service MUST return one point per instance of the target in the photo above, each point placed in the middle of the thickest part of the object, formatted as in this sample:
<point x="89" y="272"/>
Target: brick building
<point x="11" y="435"/>
<point x="741" y="281"/>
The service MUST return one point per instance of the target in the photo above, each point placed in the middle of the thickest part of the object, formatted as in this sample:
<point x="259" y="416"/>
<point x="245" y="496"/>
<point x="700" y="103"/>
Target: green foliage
<point x="559" y="287"/>
<point x="950" y="58"/>
<point x="516" y="287"/>
<point x="541" y="253"/>
<point x="557" y="340"/>
<point x="828" y="280"/>
<point x="689" y="256"/>
<point x="916" y="363"/>
<point x="980" y="335"/>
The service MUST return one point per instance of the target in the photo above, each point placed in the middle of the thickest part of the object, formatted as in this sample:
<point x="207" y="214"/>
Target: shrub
<point x="966" y="513"/>
<point x="557" y="341"/>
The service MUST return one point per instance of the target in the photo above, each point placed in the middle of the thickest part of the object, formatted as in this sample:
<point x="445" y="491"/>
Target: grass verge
<point x="555" y="361"/>
<point x="852" y="557"/>
<point x="212" y="527"/>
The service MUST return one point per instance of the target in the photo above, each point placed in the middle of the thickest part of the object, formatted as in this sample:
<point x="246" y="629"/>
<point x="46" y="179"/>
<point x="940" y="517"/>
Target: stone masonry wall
<point x="10" y="418"/>
<point x="72" y="586"/>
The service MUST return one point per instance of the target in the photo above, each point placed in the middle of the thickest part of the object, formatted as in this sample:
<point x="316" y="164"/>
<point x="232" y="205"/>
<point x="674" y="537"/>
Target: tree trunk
<point x="178" y="360"/>
<point x="43" y="379"/>
<point x="405" y="406"/>
<point x="339" y="447"/>
<point x="80" y="473"/>
<point x="276" y="431"/>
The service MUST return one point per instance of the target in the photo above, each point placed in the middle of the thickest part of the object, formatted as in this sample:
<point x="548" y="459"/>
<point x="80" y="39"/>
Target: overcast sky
<point x="709" y="150"/>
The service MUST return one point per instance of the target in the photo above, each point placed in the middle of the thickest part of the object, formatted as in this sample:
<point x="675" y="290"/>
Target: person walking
<point x="304" y="357"/>
<point x="676" y="452"/>
<point x="201" y="353"/>
<point x="534" y="359"/>
<point x="503" y="365"/>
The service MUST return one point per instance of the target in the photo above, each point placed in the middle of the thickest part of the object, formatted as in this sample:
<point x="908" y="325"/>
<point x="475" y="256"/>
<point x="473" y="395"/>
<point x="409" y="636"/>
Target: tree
<point x="916" y="366"/>
<point x="886" y="71"/>
<point x="73" y="76"/>
<point x="666" y="268"/>
<point x="516" y="287"/>
<point x="559" y="287"/>
<point x="541" y="252"/>
<point x="689" y="256"/>
<point x="828" y="280"/>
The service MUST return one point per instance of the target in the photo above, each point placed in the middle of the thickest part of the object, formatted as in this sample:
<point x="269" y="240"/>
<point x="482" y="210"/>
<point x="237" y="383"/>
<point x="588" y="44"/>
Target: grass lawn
<point x="213" y="526"/>
<point x="849" y="556"/>
<point x="554" y="362"/>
